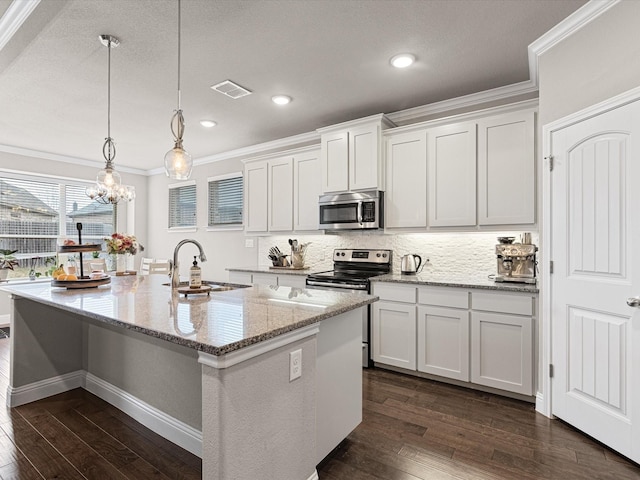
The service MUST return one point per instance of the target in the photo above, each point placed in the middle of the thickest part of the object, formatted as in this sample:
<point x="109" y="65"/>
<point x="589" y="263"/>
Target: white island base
<point x="238" y="411"/>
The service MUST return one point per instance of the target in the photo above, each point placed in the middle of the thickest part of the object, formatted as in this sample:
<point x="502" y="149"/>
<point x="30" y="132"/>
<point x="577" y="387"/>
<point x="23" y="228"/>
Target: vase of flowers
<point x="121" y="245"/>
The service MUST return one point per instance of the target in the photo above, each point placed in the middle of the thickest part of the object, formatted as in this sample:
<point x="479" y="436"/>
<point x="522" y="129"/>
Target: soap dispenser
<point x="195" y="275"/>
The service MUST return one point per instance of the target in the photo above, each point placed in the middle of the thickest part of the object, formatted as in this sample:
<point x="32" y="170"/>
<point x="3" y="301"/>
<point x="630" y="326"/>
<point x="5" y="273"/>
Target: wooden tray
<point x="126" y="272"/>
<point x="82" y="282"/>
<point x="191" y="291"/>
<point x="79" y="248"/>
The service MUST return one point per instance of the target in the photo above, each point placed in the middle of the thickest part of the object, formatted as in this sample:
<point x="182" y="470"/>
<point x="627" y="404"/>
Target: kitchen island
<point x="261" y="382"/>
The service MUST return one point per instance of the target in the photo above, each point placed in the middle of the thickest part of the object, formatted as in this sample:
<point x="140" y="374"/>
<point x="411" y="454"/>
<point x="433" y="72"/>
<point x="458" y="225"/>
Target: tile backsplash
<point x="450" y="253"/>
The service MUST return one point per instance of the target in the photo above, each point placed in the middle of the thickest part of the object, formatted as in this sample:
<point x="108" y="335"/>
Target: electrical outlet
<point x="295" y="364"/>
<point x="248" y="242"/>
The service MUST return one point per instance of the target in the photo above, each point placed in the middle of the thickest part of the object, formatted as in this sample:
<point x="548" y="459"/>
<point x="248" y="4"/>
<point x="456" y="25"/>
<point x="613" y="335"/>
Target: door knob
<point x="633" y="301"/>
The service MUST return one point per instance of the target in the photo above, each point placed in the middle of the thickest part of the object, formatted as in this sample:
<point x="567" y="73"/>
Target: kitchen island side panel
<point x="45" y="343"/>
<point x="258" y="424"/>
<point x="164" y="375"/>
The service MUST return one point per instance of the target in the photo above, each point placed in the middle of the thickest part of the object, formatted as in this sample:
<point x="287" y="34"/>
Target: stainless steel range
<point x="352" y="270"/>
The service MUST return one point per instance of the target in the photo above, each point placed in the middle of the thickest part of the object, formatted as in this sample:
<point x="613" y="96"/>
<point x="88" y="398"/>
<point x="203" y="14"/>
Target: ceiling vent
<point x="231" y="90"/>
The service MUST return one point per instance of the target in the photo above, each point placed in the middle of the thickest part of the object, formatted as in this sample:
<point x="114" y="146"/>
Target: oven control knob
<point x="384" y="255"/>
<point x="378" y="254"/>
<point x="343" y="254"/>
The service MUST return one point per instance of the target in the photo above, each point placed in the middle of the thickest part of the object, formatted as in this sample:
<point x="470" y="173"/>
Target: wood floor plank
<point x="84" y="458"/>
<point x="21" y="469"/>
<point x="46" y="459"/>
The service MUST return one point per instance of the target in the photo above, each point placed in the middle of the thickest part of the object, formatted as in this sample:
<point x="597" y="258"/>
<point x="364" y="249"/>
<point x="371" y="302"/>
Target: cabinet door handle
<point x="633" y="301"/>
<point x="360" y="214"/>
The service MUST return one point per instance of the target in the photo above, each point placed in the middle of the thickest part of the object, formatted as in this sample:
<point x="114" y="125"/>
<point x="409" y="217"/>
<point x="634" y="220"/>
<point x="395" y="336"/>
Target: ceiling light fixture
<point x="177" y="162"/>
<point x="281" y="99"/>
<point x="403" y="60"/>
<point x="208" y="123"/>
<point x="108" y="187"/>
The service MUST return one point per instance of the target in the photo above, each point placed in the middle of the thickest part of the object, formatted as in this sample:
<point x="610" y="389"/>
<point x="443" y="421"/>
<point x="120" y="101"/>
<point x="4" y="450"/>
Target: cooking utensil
<point x="408" y="264"/>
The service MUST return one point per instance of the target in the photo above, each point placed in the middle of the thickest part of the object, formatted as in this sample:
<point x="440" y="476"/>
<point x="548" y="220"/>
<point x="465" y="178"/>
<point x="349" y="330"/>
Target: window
<point x="34" y="212"/>
<point x="182" y="205"/>
<point x="225" y="200"/>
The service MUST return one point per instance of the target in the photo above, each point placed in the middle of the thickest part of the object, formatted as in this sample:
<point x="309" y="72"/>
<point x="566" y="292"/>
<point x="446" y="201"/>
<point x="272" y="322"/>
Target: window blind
<point x="96" y="218"/>
<point x="225" y="201"/>
<point x="182" y="206"/>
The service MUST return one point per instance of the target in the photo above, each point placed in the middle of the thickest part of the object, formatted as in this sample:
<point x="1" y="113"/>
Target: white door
<point x="255" y="194"/>
<point x="393" y="331"/>
<point x="595" y="250"/>
<point x="307" y="186"/>
<point x="334" y="158"/>
<point x="281" y="195"/>
<point x="363" y="158"/>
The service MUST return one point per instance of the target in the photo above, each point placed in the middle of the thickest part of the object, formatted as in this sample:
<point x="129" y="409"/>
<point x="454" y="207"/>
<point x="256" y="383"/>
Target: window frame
<point x="230" y="226"/>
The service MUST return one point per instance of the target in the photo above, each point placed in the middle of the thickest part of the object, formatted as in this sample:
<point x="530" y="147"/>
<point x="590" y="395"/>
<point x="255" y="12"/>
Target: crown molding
<point x="25" y="152"/>
<point x="567" y="27"/>
<point x="260" y="148"/>
<point x="14" y="17"/>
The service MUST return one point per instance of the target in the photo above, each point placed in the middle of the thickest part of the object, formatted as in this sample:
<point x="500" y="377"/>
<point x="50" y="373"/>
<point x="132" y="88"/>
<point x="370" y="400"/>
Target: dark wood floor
<point x="412" y="429"/>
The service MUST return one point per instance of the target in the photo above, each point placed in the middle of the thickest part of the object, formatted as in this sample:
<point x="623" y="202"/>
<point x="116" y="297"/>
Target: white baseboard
<point x="44" y="388"/>
<point x="5" y="320"/>
<point x="164" y="425"/>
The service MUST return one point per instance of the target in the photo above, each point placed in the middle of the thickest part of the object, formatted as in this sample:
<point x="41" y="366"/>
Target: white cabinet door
<point x="364" y="151"/>
<point x="393" y="331"/>
<point x="280" y="193"/>
<point x="443" y="342"/>
<point x="242" y="278"/>
<point x="406" y="195"/>
<point x="265" y="279"/>
<point x="307" y="187"/>
<point x="334" y="157"/>
<point x="451" y="161"/>
<point x="294" y="281"/>
<point x="256" y="196"/>
<point x="506" y="169"/>
<point x="501" y="351"/>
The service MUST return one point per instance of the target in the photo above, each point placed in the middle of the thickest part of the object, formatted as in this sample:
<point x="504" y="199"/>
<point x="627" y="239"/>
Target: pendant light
<point x="177" y="161"/>
<point x="108" y="188"/>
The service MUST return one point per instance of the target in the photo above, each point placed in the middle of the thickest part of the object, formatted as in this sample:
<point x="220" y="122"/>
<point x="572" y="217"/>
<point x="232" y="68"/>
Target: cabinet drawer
<point x="395" y="292"/>
<point x="443" y="297"/>
<point x="496" y="302"/>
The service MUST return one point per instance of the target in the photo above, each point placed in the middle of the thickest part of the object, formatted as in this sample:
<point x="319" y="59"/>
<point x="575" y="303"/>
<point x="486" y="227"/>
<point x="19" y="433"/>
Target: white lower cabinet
<point x="393" y="330"/>
<point x="501" y="351"/>
<point x="263" y="278"/>
<point x="443" y="342"/>
<point x="481" y="337"/>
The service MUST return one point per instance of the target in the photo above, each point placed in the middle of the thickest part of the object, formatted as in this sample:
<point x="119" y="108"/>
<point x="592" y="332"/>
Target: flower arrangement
<point x="121" y="243"/>
<point x="7" y="260"/>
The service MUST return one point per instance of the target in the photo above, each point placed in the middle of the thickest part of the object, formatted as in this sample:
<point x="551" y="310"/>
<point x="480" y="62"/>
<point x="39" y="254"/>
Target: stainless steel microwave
<point x="352" y="211"/>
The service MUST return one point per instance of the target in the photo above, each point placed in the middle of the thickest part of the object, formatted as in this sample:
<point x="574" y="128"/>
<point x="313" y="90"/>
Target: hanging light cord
<point x="179" y="49"/>
<point x="109" y="148"/>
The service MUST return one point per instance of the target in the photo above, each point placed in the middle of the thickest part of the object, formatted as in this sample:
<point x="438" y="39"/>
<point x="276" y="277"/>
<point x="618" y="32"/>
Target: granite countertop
<point x="457" y="281"/>
<point x="216" y="324"/>
<point x="276" y="271"/>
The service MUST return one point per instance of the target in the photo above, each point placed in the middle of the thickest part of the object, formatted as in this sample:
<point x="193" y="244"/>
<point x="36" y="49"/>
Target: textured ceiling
<point x="331" y="56"/>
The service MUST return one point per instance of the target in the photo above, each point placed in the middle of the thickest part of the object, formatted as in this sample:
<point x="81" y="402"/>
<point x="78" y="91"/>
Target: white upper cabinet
<point x="351" y="157"/>
<point x="255" y="197"/>
<point x="307" y="185"/>
<point x="506" y="169"/>
<point x="406" y="195"/>
<point x="280" y="193"/>
<point x="451" y="161"/>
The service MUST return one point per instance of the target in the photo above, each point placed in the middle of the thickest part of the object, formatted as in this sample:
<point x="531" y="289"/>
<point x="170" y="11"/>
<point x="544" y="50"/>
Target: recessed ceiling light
<point x="208" y="123"/>
<point x="403" y="60"/>
<point x="280" y="99"/>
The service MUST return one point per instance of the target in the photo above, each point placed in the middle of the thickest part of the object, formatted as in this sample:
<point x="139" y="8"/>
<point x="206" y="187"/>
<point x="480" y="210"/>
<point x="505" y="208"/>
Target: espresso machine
<point x="516" y="261"/>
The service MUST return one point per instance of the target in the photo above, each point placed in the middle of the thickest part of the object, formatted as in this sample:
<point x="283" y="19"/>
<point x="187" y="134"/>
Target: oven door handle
<point x="314" y="283"/>
<point x="360" y="212"/>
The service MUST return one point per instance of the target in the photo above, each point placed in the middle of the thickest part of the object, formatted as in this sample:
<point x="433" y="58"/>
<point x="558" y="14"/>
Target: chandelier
<point x="108" y="187"/>
<point x="177" y="161"/>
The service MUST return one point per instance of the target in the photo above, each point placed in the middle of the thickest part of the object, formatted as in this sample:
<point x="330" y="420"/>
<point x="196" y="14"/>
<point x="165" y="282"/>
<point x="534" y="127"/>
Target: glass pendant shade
<point x="178" y="163"/>
<point x="109" y="178"/>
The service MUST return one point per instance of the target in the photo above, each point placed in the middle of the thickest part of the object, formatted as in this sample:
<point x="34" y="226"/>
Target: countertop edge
<point x="496" y="286"/>
<point x="275" y="271"/>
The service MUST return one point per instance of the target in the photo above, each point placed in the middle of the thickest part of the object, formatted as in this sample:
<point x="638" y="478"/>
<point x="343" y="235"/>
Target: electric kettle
<point x="408" y="264"/>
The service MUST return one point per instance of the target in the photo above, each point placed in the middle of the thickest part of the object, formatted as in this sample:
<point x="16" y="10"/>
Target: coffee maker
<point x="516" y="261"/>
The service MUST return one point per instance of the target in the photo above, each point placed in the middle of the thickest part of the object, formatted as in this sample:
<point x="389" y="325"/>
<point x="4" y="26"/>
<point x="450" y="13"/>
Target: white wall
<point x="223" y="248"/>
<point x="595" y="63"/>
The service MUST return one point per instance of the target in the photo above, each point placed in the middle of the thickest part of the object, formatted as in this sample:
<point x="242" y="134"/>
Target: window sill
<point x="183" y="229"/>
<point x="222" y="228"/>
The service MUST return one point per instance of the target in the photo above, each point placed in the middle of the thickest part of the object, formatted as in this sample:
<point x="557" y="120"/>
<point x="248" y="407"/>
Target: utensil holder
<point x="297" y="259"/>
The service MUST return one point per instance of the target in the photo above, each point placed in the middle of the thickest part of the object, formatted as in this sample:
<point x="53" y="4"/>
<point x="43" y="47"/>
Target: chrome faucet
<point x="175" y="268"/>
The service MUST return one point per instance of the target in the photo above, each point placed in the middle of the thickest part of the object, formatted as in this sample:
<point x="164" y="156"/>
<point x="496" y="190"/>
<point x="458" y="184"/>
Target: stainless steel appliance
<point x="352" y="211"/>
<point x="408" y="264"/>
<point x="352" y="270"/>
<point x="516" y="262"/>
